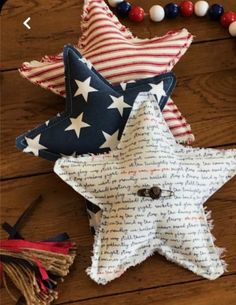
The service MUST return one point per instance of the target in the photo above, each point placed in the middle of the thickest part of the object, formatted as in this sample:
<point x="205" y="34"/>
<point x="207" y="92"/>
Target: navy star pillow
<point x="96" y="112"/>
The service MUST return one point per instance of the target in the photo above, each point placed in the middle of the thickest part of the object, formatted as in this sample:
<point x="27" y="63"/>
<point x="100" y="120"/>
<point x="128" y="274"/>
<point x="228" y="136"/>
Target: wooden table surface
<point x="206" y="95"/>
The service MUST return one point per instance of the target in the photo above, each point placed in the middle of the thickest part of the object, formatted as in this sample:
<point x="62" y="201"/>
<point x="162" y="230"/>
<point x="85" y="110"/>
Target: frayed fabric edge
<point x="117" y="274"/>
<point x="185" y="139"/>
<point x="219" y="250"/>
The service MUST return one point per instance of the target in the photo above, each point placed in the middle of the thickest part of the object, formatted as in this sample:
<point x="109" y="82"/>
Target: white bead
<point x="114" y="3"/>
<point x="232" y="29"/>
<point x="201" y="8"/>
<point x="157" y="13"/>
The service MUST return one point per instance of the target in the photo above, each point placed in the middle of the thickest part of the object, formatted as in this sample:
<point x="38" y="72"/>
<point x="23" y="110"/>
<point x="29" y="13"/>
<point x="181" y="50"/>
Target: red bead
<point x="186" y="8"/>
<point x="136" y="14"/>
<point x="227" y="18"/>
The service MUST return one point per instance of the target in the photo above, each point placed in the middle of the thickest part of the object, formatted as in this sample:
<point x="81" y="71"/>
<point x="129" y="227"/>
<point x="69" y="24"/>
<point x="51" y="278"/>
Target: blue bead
<point x="215" y="11"/>
<point x="172" y="10"/>
<point x="123" y="9"/>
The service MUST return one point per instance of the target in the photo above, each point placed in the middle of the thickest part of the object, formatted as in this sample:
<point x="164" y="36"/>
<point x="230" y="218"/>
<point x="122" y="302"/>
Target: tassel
<point x="34" y="267"/>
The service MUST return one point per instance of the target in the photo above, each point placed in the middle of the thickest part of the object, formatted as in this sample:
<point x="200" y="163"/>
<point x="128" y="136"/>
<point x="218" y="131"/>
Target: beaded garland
<point x="186" y="8"/>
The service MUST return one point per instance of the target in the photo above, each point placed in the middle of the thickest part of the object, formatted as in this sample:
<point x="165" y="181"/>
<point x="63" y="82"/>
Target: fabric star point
<point x="84" y="88"/>
<point x="176" y="226"/>
<point x="33" y="145"/>
<point x="119" y="104"/>
<point x="158" y="90"/>
<point x="77" y="124"/>
<point x="111" y="140"/>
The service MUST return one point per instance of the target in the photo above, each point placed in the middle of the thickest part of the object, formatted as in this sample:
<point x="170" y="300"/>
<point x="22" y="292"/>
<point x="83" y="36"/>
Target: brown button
<point x="154" y="192"/>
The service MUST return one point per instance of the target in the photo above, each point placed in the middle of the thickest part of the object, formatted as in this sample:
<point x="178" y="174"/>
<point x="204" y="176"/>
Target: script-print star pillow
<point x="119" y="57"/>
<point x="133" y="227"/>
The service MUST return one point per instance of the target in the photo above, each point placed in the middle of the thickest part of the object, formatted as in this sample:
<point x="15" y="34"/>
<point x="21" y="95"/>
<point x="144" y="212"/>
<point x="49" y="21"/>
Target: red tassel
<point x="35" y="267"/>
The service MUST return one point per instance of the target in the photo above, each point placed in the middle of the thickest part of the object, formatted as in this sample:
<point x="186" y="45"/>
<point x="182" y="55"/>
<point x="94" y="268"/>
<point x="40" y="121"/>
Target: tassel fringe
<point x="36" y="272"/>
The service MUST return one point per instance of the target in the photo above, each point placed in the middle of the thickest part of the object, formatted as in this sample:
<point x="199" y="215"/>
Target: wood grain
<point x="207" y="100"/>
<point x="63" y="209"/>
<point x="221" y="292"/>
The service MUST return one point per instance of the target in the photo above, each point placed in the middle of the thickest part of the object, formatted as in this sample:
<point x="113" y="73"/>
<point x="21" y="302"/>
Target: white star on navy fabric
<point x="95" y="113"/>
<point x="77" y="124"/>
<point x="111" y="140"/>
<point x="158" y="90"/>
<point x="33" y="145"/>
<point x="84" y="88"/>
<point x="119" y="104"/>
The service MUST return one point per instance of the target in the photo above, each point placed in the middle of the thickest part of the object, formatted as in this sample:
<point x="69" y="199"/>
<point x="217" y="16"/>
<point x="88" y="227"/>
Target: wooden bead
<point x="215" y="11"/>
<point x="136" y="14"/>
<point x="227" y="18"/>
<point x="114" y="3"/>
<point x="232" y="29"/>
<point x="186" y="8"/>
<point x="201" y="8"/>
<point x="171" y="10"/>
<point x="157" y="13"/>
<point x="123" y="8"/>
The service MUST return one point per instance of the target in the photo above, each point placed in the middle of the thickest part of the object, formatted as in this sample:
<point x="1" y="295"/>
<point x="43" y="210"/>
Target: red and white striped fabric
<point x="119" y="57"/>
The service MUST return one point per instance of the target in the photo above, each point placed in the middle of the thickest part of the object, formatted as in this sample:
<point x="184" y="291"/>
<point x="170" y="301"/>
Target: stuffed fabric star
<point x="135" y="224"/>
<point x="119" y="57"/>
<point x="96" y="112"/>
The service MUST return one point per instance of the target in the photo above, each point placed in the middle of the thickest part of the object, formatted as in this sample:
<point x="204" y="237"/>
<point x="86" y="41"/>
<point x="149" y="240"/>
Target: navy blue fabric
<point x="95" y="111"/>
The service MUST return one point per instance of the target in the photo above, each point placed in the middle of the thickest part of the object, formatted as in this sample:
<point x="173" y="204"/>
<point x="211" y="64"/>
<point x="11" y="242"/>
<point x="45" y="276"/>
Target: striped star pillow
<point x="119" y="57"/>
